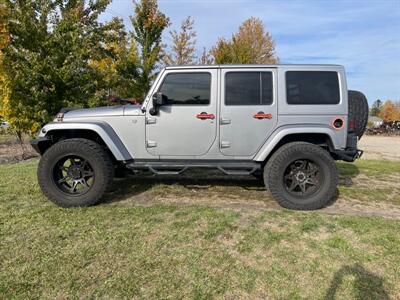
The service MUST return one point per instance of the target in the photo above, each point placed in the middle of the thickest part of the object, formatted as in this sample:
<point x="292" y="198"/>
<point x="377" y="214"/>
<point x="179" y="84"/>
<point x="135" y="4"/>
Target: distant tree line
<point x="56" y="53"/>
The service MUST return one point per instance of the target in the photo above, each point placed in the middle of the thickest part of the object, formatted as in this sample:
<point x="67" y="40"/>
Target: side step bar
<point x="178" y="167"/>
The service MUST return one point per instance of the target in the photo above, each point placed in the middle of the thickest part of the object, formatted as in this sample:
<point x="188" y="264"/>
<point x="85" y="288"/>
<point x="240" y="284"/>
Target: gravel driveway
<point x="380" y="147"/>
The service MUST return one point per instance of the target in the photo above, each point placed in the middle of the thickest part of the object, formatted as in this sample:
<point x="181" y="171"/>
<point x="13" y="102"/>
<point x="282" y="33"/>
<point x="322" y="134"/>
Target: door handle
<point x="204" y="115"/>
<point x="261" y="115"/>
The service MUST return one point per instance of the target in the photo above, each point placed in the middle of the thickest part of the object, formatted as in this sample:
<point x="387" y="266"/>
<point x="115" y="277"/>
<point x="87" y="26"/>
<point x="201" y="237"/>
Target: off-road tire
<point x="279" y="162"/>
<point x="92" y="152"/>
<point x="358" y="111"/>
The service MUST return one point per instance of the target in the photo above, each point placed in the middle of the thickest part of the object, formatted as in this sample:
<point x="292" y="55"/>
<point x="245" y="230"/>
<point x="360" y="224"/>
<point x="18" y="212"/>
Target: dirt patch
<point x="353" y="207"/>
<point x="380" y="147"/>
<point x="244" y="194"/>
<point x="339" y="207"/>
<point x="11" y="151"/>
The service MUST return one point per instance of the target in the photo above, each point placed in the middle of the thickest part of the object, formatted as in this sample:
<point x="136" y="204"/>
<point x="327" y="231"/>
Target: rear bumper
<point x="350" y="153"/>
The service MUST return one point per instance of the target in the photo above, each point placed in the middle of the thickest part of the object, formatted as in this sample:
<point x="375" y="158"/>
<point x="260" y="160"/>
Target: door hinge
<point x="225" y="121"/>
<point x="150" y="120"/>
<point x="225" y="144"/>
<point x="151" y="144"/>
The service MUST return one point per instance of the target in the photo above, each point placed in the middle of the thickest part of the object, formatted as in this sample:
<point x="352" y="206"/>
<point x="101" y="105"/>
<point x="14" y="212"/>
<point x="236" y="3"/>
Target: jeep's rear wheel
<point x="301" y="176"/>
<point x="75" y="172"/>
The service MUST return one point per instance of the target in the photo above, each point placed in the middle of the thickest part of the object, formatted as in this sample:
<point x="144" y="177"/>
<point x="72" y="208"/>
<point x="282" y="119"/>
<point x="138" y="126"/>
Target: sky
<point x="363" y="36"/>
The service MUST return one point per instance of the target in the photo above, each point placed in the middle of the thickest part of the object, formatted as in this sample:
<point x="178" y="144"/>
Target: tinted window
<point x="187" y="88"/>
<point x="248" y="88"/>
<point x="312" y="87"/>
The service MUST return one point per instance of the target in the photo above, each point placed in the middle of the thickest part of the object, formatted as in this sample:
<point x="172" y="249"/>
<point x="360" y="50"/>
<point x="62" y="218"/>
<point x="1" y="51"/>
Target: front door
<point x="186" y="124"/>
<point x="248" y="110"/>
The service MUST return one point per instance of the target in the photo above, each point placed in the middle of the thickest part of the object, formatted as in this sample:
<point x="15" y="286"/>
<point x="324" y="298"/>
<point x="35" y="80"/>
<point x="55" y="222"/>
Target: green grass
<point x="122" y="249"/>
<point x="370" y="168"/>
<point x="374" y="180"/>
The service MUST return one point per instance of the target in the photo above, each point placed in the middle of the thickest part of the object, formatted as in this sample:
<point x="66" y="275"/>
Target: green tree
<point x="223" y="52"/>
<point x="252" y="44"/>
<point x="47" y="61"/>
<point x="376" y="108"/>
<point x="148" y="25"/>
<point x="118" y="70"/>
<point x="183" y="46"/>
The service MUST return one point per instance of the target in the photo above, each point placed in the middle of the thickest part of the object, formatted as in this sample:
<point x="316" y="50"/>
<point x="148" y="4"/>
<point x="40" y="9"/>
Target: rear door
<point x="248" y="109"/>
<point x="186" y="125"/>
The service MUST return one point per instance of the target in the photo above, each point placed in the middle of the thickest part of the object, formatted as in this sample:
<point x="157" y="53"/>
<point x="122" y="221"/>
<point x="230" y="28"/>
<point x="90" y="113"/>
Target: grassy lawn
<point x="373" y="181"/>
<point x="121" y="249"/>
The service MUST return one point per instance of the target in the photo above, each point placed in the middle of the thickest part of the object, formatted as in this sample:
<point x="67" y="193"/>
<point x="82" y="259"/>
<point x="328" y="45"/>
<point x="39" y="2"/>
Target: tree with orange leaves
<point x="390" y="112"/>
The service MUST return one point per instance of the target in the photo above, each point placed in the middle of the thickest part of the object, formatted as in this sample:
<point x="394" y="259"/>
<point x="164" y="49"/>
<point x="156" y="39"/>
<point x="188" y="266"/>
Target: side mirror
<point x="157" y="102"/>
<point x="158" y="99"/>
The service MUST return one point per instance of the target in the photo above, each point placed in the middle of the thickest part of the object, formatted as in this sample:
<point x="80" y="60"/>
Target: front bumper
<point x="40" y="144"/>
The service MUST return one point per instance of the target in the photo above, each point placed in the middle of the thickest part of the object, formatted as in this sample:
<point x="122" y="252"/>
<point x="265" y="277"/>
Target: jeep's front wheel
<point x="75" y="172"/>
<point x="301" y="176"/>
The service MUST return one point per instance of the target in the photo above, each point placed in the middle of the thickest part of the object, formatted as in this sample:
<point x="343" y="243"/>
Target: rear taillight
<point x="351" y="125"/>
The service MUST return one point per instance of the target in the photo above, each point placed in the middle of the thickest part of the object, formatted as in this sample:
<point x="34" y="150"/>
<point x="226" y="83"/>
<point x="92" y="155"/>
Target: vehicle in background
<point x="4" y="125"/>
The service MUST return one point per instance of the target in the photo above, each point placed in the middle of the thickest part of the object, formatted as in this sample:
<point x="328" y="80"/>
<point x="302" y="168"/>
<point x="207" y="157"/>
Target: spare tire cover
<point x="358" y="111"/>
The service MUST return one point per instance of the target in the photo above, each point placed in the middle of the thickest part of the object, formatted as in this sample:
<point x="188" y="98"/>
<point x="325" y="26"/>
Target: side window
<point x="248" y="88"/>
<point x="312" y="87"/>
<point x="187" y="88"/>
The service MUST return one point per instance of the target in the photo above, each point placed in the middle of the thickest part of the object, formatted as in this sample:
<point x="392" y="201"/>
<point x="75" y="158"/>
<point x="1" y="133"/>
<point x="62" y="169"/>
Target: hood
<point x="105" y="111"/>
<point x="132" y="110"/>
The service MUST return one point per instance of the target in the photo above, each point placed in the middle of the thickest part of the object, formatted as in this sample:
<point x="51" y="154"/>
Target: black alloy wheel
<point x="303" y="178"/>
<point x="73" y="175"/>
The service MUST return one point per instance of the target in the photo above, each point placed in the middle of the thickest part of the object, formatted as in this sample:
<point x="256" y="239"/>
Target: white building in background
<point x="375" y="121"/>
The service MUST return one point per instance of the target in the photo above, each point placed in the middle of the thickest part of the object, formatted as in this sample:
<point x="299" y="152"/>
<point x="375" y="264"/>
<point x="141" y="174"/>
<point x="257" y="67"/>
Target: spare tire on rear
<point x="358" y="112"/>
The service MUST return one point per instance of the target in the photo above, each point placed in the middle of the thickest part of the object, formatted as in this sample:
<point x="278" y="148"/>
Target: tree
<point x="389" y="112"/>
<point x="205" y="58"/>
<point x="376" y="108"/>
<point x="46" y="62"/>
<point x="252" y="44"/>
<point x="223" y="52"/>
<point x="4" y="40"/>
<point x="183" y="45"/>
<point x="118" y="71"/>
<point x="148" y="25"/>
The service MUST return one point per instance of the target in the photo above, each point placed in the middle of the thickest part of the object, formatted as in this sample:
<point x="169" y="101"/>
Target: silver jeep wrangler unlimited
<point x="286" y="124"/>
